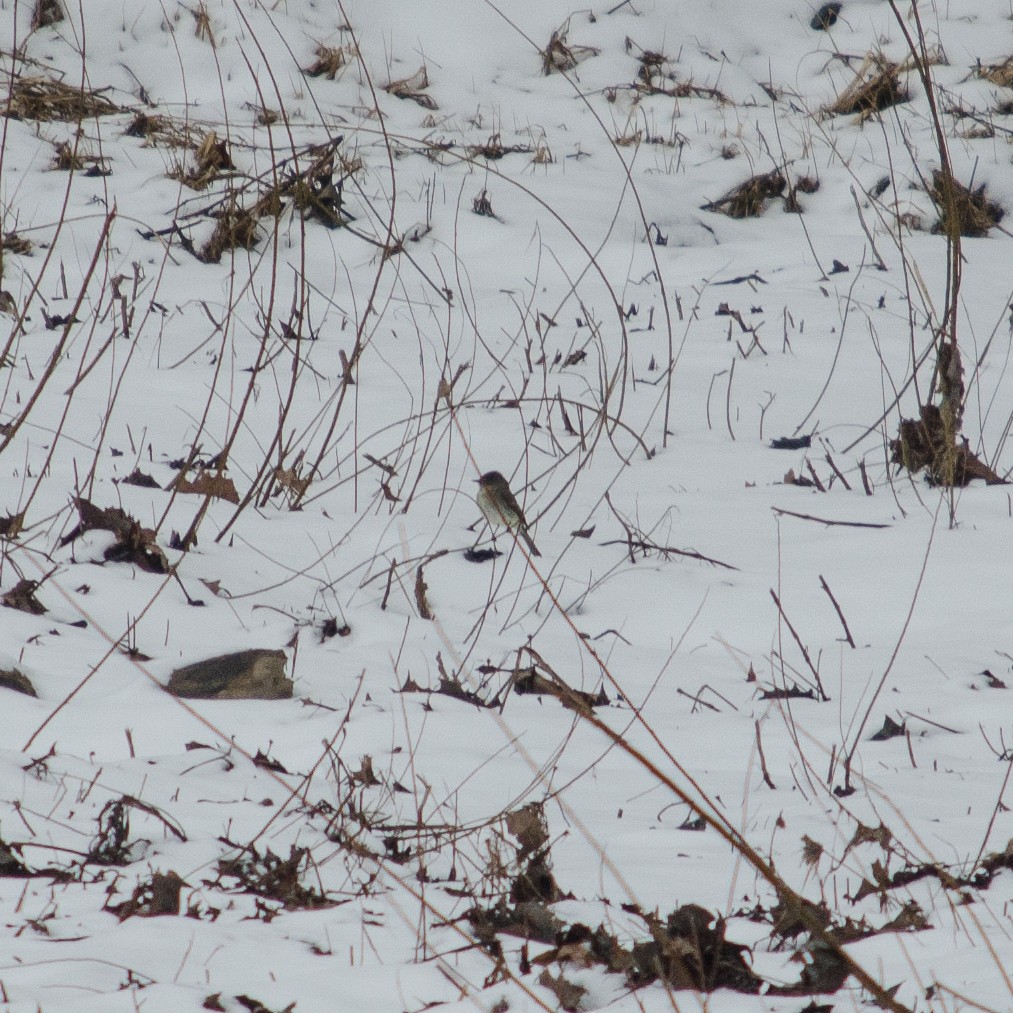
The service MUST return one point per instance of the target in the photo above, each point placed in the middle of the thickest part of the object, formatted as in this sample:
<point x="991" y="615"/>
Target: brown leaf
<point x="529" y="827"/>
<point x="568" y="993"/>
<point x="289" y="479"/>
<point x="11" y="525"/>
<point x="140" y="478"/>
<point x="812" y="851"/>
<point x="364" y="775"/>
<point x="22" y="597"/>
<point x="421" y="597"/>
<point x="206" y="484"/>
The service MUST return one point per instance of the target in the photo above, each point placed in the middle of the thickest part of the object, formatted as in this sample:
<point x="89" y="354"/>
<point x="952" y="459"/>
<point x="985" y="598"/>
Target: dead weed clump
<point x="159" y="129"/>
<point x="134" y="543"/>
<point x="524" y="883"/>
<point x="236" y="228"/>
<point x="559" y="57"/>
<point x="112" y="844"/>
<point x="329" y="60"/>
<point x="202" y="28"/>
<point x="928" y="444"/>
<point x="413" y="88"/>
<point x="932" y="442"/>
<point x="802" y="184"/>
<point x="45" y="100"/>
<point x="687" y="950"/>
<point x="159" y="895"/>
<point x="207" y="482"/>
<point x="68" y="157"/>
<point x="23" y="598"/>
<point x="46" y="13"/>
<point x="210" y="160"/>
<point x="654" y="77"/>
<point x="312" y="191"/>
<point x="274" y="878"/>
<point x="875" y="87"/>
<point x="998" y="73"/>
<point x="961" y="210"/>
<point x="11" y="242"/>
<point x="749" y="199"/>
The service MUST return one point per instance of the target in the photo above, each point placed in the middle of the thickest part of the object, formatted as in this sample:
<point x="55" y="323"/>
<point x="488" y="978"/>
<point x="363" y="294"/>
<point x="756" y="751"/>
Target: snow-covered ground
<point x="455" y="262"/>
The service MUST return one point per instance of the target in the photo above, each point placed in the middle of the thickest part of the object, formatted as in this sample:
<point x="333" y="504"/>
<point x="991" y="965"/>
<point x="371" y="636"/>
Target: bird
<point x="500" y="508"/>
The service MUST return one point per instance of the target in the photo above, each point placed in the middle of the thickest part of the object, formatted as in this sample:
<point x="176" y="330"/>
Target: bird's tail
<point x="529" y="541"/>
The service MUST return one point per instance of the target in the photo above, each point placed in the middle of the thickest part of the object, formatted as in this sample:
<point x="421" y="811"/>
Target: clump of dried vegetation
<point x="655" y="77"/>
<point x="963" y="211"/>
<point x="158" y="129"/>
<point x="329" y="60"/>
<point x="134" y="543"/>
<point x="211" y="159"/>
<point x="876" y="86"/>
<point x="1000" y="73"/>
<point x="274" y="878"/>
<point x="559" y="56"/>
<point x="748" y="199"/>
<point x="236" y="228"/>
<point x="310" y="182"/>
<point x="413" y="88"/>
<point x="46" y="100"/>
<point x="933" y="441"/>
<point x="11" y="242"/>
<point x="46" y="13"/>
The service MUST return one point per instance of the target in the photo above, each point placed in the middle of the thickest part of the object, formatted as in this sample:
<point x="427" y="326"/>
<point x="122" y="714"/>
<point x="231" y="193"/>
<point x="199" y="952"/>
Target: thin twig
<point x="763" y="760"/>
<point x="830" y="524"/>
<point x="636" y="543"/>
<point x="865" y="477"/>
<point x="837" y="471"/>
<point x="879" y="265"/>
<point x="728" y="401"/>
<point x="840" y="614"/>
<point x="801" y="646"/>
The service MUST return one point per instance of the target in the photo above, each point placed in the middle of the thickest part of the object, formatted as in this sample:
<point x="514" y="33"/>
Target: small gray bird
<point x="501" y="509"/>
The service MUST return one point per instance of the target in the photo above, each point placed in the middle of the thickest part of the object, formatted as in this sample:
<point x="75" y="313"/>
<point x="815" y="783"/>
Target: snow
<point x="498" y="306"/>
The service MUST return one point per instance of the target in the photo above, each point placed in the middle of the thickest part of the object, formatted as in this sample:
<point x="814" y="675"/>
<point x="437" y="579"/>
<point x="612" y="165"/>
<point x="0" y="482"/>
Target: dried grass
<point x="11" y="242"/>
<point x="543" y="155"/>
<point x="45" y="100"/>
<point x="494" y="149"/>
<point x="235" y="228"/>
<point x="749" y="199"/>
<point x="66" y="159"/>
<point x="998" y="73"/>
<point x="803" y="184"/>
<point x="875" y="87"/>
<point x="46" y="13"/>
<point x="482" y="205"/>
<point x="559" y="57"/>
<point x="413" y="88"/>
<point x="329" y="60"/>
<point x="312" y="192"/>
<point x="654" y="79"/>
<point x="928" y="444"/>
<point x="159" y="129"/>
<point x="202" y="28"/>
<point x="962" y="210"/>
<point x="211" y="158"/>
